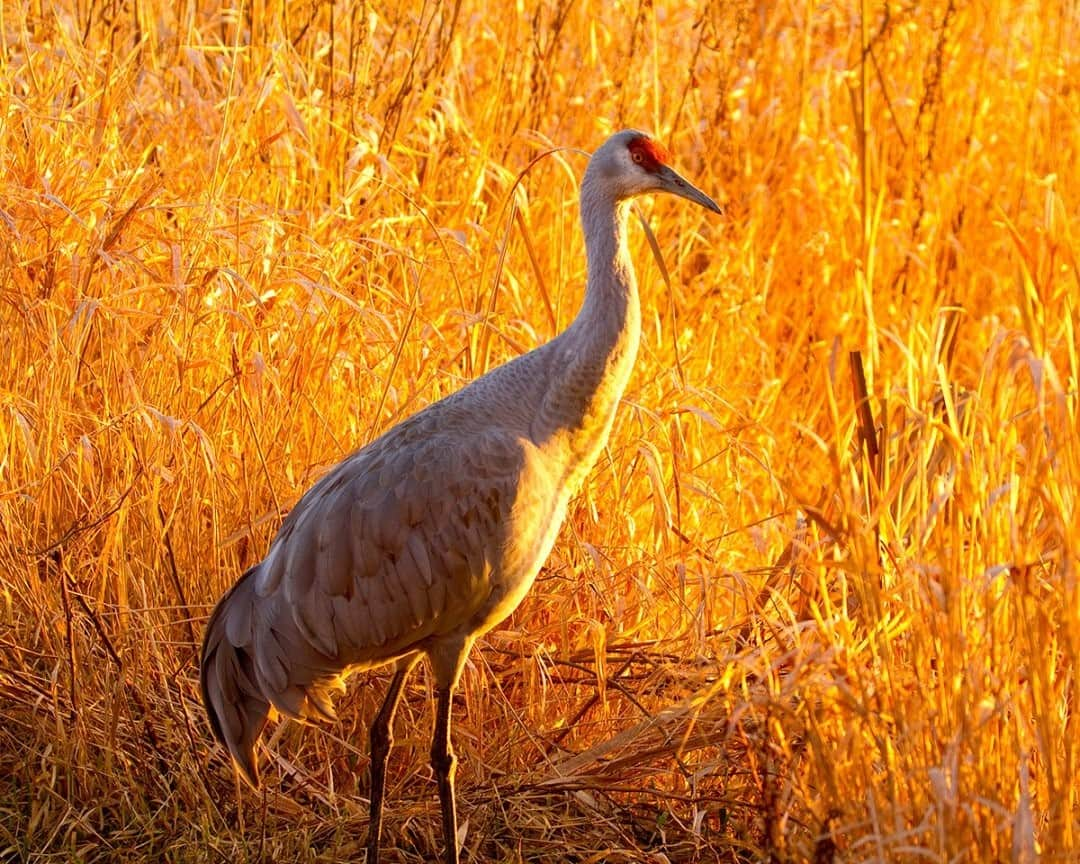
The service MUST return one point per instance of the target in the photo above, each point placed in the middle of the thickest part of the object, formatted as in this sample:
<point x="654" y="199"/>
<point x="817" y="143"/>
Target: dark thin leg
<point x="444" y="762"/>
<point x="382" y="738"/>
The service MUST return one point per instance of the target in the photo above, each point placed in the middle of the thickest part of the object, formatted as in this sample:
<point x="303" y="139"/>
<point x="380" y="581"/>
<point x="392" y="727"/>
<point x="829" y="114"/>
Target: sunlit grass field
<point x="819" y="600"/>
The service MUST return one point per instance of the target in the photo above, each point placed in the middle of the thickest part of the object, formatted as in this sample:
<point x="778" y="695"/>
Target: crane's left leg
<point x="382" y="739"/>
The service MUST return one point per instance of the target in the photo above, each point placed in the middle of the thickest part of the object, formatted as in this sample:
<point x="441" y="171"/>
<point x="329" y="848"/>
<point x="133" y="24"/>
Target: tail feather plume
<point x="235" y="704"/>
<point x="253" y="660"/>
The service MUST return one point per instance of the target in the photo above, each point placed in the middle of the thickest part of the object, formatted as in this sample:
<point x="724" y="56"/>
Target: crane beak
<point x="669" y="180"/>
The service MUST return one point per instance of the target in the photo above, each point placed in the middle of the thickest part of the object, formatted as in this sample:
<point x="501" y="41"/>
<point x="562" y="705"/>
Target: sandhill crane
<point x="430" y="535"/>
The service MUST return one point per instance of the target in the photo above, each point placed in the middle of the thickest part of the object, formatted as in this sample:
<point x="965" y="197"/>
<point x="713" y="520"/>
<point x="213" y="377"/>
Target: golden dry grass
<point x="235" y="244"/>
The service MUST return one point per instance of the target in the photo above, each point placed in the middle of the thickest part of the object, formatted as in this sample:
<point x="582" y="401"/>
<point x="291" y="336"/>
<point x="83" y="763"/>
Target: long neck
<point x="596" y="353"/>
<point x="611" y="307"/>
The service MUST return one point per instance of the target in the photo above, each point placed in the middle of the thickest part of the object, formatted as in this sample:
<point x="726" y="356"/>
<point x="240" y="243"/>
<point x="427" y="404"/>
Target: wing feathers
<point x="392" y="547"/>
<point x="313" y="614"/>
<point x="334" y="561"/>
<point x="421" y="563"/>
<point x="271" y="664"/>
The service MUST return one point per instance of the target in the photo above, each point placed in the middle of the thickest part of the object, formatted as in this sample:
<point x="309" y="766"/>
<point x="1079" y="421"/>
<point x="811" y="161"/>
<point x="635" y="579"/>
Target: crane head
<point x="632" y="163"/>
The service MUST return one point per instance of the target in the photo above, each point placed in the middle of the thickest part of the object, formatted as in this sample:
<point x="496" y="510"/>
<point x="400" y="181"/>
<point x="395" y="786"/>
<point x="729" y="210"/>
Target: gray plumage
<point x="426" y="538"/>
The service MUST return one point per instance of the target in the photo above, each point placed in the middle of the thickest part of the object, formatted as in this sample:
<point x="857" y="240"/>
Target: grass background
<point x="811" y="605"/>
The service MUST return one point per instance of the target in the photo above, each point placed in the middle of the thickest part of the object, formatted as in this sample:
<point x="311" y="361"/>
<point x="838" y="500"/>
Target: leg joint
<point x="443" y="761"/>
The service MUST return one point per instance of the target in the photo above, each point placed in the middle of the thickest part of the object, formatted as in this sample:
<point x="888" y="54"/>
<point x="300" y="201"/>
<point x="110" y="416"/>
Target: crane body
<point x="423" y="540"/>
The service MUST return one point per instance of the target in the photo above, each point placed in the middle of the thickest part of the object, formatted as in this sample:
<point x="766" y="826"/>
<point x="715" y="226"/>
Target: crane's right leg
<point x="382" y="739"/>
<point x="444" y="762"/>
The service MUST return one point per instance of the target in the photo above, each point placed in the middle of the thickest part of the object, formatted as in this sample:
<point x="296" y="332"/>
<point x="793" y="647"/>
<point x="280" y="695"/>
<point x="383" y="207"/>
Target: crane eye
<point x="637" y="156"/>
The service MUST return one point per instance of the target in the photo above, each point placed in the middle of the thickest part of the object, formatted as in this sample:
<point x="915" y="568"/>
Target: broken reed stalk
<point x="870" y="449"/>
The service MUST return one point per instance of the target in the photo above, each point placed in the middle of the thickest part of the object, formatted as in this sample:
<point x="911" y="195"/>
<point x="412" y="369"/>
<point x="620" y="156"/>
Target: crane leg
<point x="382" y="739"/>
<point x="445" y="763"/>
